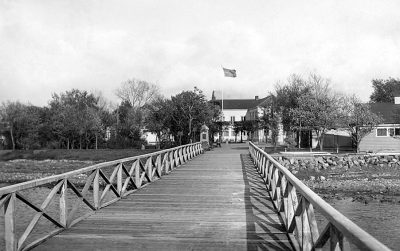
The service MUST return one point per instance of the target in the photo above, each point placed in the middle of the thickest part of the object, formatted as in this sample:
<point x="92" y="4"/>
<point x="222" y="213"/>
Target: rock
<point x="294" y="171"/>
<point x="322" y="178"/>
<point x="312" y="178"/>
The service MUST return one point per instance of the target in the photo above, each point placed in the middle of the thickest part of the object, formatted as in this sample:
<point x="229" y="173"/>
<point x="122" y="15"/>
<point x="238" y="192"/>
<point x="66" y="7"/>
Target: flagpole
<point x="222" y="91"/>
<point x="222" y="98"/>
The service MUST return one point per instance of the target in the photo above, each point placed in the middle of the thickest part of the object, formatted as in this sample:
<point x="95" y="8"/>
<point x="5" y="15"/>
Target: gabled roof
<point x="386" y="111"/>
<point x="240" y="103"/>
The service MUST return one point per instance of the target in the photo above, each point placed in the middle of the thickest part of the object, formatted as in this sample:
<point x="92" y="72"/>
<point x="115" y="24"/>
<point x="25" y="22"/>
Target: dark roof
<point x="240" y="103"/>
<point x="386" y="110"/>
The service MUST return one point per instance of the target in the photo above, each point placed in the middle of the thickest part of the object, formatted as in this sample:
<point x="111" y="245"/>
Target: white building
<point x="234" y="110"/>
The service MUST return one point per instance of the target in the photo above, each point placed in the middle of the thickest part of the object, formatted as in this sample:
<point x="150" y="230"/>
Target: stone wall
<point x="339" y="161"/>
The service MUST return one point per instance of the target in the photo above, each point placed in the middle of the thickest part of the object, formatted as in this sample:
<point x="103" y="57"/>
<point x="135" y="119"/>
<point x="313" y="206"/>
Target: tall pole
<point x="222" y="96"/>
<point x="222" y="103"/>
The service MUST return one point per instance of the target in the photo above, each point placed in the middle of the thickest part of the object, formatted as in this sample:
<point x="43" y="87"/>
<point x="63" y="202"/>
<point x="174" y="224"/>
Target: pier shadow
<point x="264" y="227"/>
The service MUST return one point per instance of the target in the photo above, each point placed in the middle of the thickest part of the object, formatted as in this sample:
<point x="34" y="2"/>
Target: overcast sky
<point x="49" y="46"/>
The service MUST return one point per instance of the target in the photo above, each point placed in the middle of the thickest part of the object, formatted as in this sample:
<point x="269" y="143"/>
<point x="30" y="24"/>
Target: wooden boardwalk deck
<point x="216" y="201"/>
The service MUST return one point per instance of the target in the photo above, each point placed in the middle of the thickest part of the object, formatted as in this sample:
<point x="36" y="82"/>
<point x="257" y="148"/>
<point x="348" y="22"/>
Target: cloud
<point x="52" y="46"/>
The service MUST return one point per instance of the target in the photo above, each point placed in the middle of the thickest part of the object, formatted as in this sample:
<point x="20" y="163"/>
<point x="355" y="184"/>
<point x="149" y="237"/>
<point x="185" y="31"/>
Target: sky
<point x="51" y="46"/>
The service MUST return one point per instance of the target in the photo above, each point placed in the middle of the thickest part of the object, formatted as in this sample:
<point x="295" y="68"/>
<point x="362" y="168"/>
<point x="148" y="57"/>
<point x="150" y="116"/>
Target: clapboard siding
<point x="377" y="144"/>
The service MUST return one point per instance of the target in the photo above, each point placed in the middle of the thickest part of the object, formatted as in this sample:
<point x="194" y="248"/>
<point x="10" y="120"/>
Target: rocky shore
<point x="362" y="177"/>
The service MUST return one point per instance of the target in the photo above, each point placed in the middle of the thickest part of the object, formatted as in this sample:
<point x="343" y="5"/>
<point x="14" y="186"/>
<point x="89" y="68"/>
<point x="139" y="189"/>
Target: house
<point x="256" y="114"/>
<point x="246" y="110"/>
<point x="234" y="110"/>
<point x="386" y="136"/>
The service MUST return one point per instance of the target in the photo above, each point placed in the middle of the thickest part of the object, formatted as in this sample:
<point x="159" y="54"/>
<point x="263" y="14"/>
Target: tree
<point x="190" y="110"/>
<point x="216" y="125"/>
<point x="318" y="109"/>
<point x="286" y="99"/>
<point x="238" y="127"/>
<point x="128" y="126"/>
<point x="11" y="113"/>
<point x="359" y="119"/>
<point x="159" y="117"/>
<point x="23" y="123"/>
<point x="137" y="92"/>
<point x="271" y="121"/>
<point x="75" y="117"/>
<point x="384" y="90"/>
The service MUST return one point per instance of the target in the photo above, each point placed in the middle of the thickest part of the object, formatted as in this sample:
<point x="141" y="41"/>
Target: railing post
<point x="149" y="168"/>
<point x="9" y="223"/>
<point x="63" y="204"/>
<point x="136" y="165"/>
<point x="171" y="160"/>
<point x="119" y="179"/>
<point x="96" y="190"/>
<point x="159" y="165"/>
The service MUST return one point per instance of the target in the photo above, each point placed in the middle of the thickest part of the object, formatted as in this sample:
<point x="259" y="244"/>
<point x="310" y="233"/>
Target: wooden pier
<point x="217" y="201"/>
<point x="176" y="199"/>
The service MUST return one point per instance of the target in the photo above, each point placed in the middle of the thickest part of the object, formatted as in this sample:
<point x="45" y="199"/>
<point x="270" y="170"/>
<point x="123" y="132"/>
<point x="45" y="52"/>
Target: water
<point x="381" y="220"/>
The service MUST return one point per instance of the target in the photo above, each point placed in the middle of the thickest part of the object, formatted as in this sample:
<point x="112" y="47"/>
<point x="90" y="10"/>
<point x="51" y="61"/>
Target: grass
<point x="74" y="154"/>
<point x="19" y="166"/>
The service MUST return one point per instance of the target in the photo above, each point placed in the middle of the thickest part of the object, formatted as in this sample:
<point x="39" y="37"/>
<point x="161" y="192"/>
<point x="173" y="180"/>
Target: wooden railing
<point x="102" y="184"/>
<point x="296" y="202"/>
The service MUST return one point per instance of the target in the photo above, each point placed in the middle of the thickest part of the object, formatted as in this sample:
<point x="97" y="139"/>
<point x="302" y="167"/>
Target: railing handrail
<point x="53" y="178"/>
<point x="349" y="229"/>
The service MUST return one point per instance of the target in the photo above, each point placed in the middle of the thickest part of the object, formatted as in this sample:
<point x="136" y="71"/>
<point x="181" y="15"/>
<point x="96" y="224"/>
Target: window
<point x="381" y="132"/>
<point x="226" y="133"/>
<point x="232" y="119"/>
<point x="397" y="131"/>
<point x="244" y="118"/>
<point x="391" y="131"/>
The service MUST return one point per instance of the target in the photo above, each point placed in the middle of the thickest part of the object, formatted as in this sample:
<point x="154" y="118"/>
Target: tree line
<point x="312" y="104"/>
<point x="77" y="119"/>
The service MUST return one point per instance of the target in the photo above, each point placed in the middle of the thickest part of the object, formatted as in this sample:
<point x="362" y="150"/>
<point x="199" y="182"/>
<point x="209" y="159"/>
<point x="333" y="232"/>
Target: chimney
<point x="256" y="97"/>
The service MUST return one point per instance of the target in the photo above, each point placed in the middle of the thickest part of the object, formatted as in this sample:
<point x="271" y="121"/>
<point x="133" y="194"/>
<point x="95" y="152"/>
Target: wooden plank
<point x="96" y="189"/>
<point x="323" y="237"/>
<point x="336" y="240"/>
<point x="119" y="179"/>
<point x="9" y="223"/>
<point x="4" y="199"/>
<point x="312" y="221"/>
<point x="63" y="203"/>
<point x="307" y="241"/>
